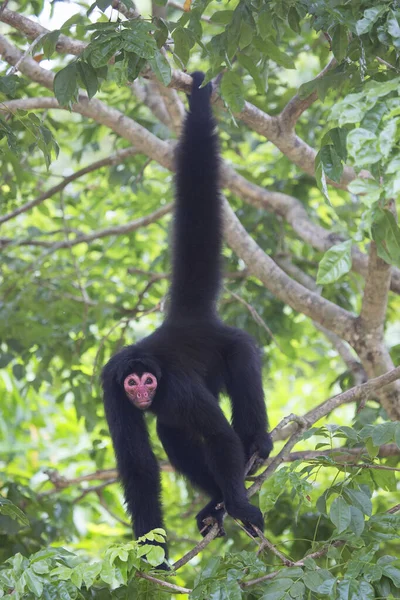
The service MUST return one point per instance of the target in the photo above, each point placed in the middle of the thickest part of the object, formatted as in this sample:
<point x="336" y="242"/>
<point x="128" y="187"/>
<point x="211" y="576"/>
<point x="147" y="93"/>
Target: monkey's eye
<point x="131" y="382"/>
<point x="149" y="380"/>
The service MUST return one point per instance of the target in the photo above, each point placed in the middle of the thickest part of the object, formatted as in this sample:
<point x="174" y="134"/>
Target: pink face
<point x="140" y="390"/>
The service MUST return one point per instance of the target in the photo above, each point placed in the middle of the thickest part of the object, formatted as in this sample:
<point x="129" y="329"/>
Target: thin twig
<point x="197" y="549"/>
<point x="266" y="543"/>
<point x="110" y="512"/>
<point x="257" y="318"/>
<point x="177" y="589"/>
<point x="28" y="51"/>
<point x="113" y="159"/>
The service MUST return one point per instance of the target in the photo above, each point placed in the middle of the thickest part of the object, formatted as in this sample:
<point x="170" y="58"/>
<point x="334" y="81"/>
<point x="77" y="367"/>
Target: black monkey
<point x="178" y="371"/>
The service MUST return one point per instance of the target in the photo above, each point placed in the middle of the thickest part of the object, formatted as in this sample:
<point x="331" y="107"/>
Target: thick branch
<point x="148" y="94"/>
<point x="296" y="149"/>
<point x="292" y="146"/>
<point x="286" y="289"/>
<point x="343" y="349"/>
<point x="297" y="105"/>
<point x="355" y="394"/>
<point x="282" y="204"/>
<point x="113" y="159"/>
<point x="174" y="106"/>
<point x="293" y="211"/>
<point x="377" y="283"/>
<point x="32" y="30"/>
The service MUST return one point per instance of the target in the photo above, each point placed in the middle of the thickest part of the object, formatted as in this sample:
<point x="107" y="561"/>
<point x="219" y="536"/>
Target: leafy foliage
<point x="331" y="512"/>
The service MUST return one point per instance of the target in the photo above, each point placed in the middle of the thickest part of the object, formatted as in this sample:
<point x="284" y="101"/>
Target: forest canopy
<point x="306" y="100"/>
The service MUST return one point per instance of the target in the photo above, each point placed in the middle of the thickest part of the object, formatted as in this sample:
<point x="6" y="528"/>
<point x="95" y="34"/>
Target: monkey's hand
<point x="261" y="444"/>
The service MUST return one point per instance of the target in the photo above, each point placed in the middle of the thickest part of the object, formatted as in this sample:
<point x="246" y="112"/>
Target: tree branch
<point x="343" y="349"/>
<point x="270" y="127"/>
<point x="283" y="287"/>
<point x="297" y="105"/>
<point x="127" y="227"/>
<point x="32" y="30"/>
<point x="287" y="206"/>
<point x="374" y="304"/>
<point x="148" y="94"/>
<point x="113" y="159"/>
<point x="354" y="394"/>
<point x="176" y="589"/>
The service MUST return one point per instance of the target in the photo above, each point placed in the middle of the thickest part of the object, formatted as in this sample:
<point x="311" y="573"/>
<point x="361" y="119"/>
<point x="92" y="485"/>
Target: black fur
<point x="194" y="357"/>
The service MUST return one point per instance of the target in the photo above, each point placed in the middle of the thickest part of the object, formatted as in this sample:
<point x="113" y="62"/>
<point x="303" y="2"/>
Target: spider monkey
<point x="179" y="370"/>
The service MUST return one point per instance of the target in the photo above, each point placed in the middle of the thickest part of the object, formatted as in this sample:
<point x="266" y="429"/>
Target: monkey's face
<point x="140" y="389"/>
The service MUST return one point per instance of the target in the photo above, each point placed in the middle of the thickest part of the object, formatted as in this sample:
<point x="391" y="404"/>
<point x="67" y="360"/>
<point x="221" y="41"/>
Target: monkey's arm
<point x="138" y="467"/>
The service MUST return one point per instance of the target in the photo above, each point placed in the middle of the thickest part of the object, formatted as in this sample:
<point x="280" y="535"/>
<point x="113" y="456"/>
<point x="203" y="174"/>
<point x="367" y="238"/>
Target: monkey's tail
<point x="198" y="218"/>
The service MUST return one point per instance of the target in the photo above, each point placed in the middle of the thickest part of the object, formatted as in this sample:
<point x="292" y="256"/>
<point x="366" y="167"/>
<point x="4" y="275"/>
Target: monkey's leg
<point x="186" y="453"/>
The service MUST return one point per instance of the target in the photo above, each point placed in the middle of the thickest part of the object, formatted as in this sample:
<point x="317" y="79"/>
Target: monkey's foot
<point x="248" y="514"/>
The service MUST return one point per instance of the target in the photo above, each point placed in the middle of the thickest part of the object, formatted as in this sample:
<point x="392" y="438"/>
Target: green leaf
<point x="372" y="450"/>
<point x="339" y="138"/>
<point x="100" y="52"/>
<point x="246" y="35"/>
<point x="393" y="573"/>
<point x="155" y="556"/>
<point x="33" y="582"/>
<point x="248" y="63"/>
<point x="369" y="188"/>
<point x="359" y="499"/>
<point x="371" y="15"/>
<point x="357" y="522"/>
<point x="383" y="433"/>
<point x="91" y="572"/>
<point x="386" y="480"/>
<point x="161" y="68"/>
<point x="276" y="590"/>
<point x="362" y="146"/>
<point x="340" y="42"/>
<point x="386" y="235"/>
<point x="340" y="514"/>
<point x="232" y="91"/>
<point x="274" y="53"/>
<point x="264" y="24"/>
<point x="294" y="19"/>
<point x="387" y="138"/>
<point x="139" y="41"/>
<point x="335" y="263"/>
<point x="397" y="434"/>
<point x="333" y="167"/>
<point x="315" y="580"/>
<point x="103" y="4"/>
<point x="161" y="33"/>
<point x="8" y="85"/>
<point x="88" y="78"/>
<point x="393" y="28"/>
<point x="320" y="178"/>
<point x="373" y="117"/>
<point x="222" y="17"/>
<point x="181" y="44"/>
<point x="49" y="42"/>
<point x="135" y="65"/>
<point x="65" y="84"/>
<point x="8" y="508"/>
<point x="352" y="589"/>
